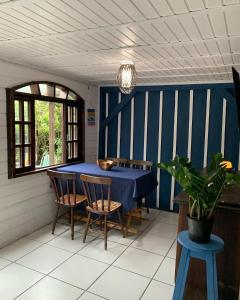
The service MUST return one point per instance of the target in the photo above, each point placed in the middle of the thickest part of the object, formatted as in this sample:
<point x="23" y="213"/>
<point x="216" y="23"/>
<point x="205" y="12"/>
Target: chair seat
<point x="114" y="206"/>
<point x="65" y="199"/>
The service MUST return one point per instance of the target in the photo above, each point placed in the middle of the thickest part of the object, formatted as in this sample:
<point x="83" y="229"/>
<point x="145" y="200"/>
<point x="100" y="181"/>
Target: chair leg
<point x="101" y="223"/>
<point x="87" y="226"/>
<point x="181" y="275"/>
<point x="212" y="284"/>
<point x="139" y="203"/>
<point x="105" y="232"/>
<point x="128" y="222"/>
<point x="121" y="222"/>
<point x="69" y="216"/>
<point x="146" y="205"/>
<point x="55" y="219"/>
<point x="72" y="223"/>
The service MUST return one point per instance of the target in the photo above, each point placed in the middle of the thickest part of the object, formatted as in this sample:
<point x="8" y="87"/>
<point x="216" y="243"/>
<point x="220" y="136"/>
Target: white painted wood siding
<point x="26" y="203"/>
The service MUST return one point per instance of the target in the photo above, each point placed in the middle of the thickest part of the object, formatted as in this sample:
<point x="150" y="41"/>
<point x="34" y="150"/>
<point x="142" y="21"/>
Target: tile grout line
<point x="25" y="237"/>
<point x="48" y="274"/>
<point x="130" y="246"/>
<point x="40" y="244"/>
<point x="147" y="277"/>
<point x="165" y="256"/>
<point x="149" y="251"/>
<point x="76" y="253"/>
<point x="163" y="282"/>
<point x="85" y="291"/>
<point x="45" y="275"/>
<point x="111" y="265"/>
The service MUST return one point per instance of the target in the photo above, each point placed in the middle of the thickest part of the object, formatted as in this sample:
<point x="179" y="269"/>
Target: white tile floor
<point x="43" y="266"/>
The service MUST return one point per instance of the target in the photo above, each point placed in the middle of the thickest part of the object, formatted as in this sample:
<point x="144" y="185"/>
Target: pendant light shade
<point x="127" y="77"/>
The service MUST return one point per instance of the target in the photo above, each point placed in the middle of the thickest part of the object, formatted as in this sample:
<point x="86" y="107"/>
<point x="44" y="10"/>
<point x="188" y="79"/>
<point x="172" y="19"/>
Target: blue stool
<point x="205" y="252"/>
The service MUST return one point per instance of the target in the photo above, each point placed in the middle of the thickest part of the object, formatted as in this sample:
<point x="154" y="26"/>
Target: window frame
<point x="13" y="95"/>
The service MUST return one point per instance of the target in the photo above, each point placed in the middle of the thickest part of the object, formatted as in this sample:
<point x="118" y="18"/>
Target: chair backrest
<point x="109" y="158"/>
<point x="141" y="164"/>
<point x="121" y="162"/>
<point x="64" y="185"/>
<point x="95" y="189"/>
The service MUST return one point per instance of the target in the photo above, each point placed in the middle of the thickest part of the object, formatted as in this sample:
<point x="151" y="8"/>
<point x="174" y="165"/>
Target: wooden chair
<point x="64" y="185"/>
<point x="141" y="164"/>
<point x="109" y="158"/>
<point x="93" y="187"/>
<point x="121" y="162"/>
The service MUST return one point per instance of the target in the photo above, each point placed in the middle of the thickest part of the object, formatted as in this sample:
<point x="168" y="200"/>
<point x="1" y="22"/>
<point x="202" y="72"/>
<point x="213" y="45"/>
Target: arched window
<point x="45" y="123"/>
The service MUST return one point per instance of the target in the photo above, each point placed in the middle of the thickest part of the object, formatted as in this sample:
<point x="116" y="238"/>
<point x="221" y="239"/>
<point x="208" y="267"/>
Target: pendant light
<point x="126" y="77"/>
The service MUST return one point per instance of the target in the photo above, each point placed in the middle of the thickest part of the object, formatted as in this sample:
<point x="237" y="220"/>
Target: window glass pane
<point x="18" y="162"/>
<point x="42" y="133"/>
<point x="69" y="150"/>
<point x="17" y="134"/>
<point x="74" y="114"/>
<point x="58" y="129"/>
<point x="70" y="133"/>
<point x="27" y="156"/>
<point x="75" y="132"/>
<point x="29" y="89"/>
<point x="60" y="92"/>
<point x="25" y="89"/>
<point x="70" y="114"/>
<point x="46" y="89"/>
<point x="26" y="111"/>
<point x="26" y="134"/>
<point x="72" y="96"/>
<point x="17" y="110"/>
<point x="49" y="133"/>
<point x="75" y="149"/>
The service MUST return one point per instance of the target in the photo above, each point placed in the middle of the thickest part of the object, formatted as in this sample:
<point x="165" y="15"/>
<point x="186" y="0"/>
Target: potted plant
<point x="204" y="190"/>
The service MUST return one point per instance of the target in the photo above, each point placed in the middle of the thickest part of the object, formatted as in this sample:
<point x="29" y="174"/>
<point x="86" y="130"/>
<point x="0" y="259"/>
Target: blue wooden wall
<point x="158" y="122"/>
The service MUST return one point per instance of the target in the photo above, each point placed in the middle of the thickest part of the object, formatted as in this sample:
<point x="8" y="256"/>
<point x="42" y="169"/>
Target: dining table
<point x="128" y="184"/>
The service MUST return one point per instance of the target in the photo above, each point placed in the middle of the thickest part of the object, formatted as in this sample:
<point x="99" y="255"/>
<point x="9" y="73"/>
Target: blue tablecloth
<point x="128" y="184"/>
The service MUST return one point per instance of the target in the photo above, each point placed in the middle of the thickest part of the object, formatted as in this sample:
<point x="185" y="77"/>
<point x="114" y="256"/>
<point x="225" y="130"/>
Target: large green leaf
<point x="203" y="189"/>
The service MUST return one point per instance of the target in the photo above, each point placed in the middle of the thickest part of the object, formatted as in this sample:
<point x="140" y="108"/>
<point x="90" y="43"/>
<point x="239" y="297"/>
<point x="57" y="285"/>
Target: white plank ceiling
<point x="86" y="40"/>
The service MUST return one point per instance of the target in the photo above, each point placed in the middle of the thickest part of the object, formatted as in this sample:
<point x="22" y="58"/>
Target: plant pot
<point x="200" y="231"/>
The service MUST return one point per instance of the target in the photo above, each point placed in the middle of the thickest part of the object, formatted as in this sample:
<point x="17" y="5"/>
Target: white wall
<point x="26" y="203"/>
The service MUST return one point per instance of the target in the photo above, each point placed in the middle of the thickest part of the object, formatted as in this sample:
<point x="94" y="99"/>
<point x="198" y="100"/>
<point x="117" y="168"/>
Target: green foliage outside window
<point x="42" y="128"/>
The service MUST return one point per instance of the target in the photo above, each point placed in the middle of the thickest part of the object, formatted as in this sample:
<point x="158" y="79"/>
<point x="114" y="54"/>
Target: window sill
<point x="45" y="169"/>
